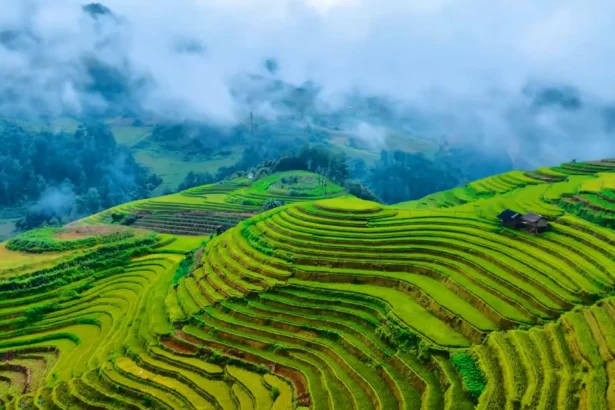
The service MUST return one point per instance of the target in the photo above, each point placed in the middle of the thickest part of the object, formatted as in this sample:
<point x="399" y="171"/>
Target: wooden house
<point x="534" y="223"/>
<point x="530" y="222"/>
<point x="510" y="219"/>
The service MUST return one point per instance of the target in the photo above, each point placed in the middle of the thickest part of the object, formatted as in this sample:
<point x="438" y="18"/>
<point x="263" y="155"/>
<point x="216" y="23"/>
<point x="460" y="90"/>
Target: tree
<point x="89" y="203"/>
<point x="194" y="179"/>
<point x="400" y="176"/>
<point x="87" y="169"/>
<point x="359" y="190"/>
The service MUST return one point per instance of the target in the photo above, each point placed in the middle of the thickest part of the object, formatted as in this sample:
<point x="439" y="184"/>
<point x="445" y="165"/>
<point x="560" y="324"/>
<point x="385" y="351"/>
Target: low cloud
<point x="55" y="201"/>
<point x="374" y="136"/>
<point x="468" y="72"/>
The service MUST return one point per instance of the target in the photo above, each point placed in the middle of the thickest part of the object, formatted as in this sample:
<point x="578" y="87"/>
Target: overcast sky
<point x="464" y="61"/>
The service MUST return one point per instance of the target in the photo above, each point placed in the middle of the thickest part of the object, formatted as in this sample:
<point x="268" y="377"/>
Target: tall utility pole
<point x="251" y="125"/>
<point x="325" y="179"/>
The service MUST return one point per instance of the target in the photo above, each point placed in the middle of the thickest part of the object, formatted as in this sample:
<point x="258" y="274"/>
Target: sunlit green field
<point x="322" y="301"/>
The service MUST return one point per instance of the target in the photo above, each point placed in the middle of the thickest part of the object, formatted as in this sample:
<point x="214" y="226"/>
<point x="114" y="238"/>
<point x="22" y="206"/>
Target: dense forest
<point x="397" y="176"/>
<point x="61" y="176"/>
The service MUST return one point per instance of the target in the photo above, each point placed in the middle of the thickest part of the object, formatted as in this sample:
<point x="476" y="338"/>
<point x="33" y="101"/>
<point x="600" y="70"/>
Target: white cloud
<point x="463" y="61"/>
<point x="374" y="136"/>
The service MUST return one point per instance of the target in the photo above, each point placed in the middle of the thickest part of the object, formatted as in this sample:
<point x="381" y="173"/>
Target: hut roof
<point x="532" y="217"/>
<point x="508" y="215"/>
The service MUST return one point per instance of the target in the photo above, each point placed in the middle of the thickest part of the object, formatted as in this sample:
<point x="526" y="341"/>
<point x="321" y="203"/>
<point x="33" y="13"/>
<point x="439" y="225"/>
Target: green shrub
<point x="216" y="357"/>
<point x="255" y="239"/>
<point x="184" y="268"/>
<point x="85" y="287"/>
<point x="275" y="393"/>
<point x="37" y="313"/>
<point x="107" y="258"/>
<point x="271" y="204"/>
<point x="398" y="336"/>
<point x="71" y="294"/>
<point x="473" y="378"/>
<point x="129" y="220"/>
<point x="123" y="219"/>
<point x="88" y="321"/>
<point x="44" y="240"/>
<point x="274" y="348"/>
<point x="148" y="401"/>
<point x="290" y="180"/>
<point x="424" y="351"/>
<point x="294" y="192"/>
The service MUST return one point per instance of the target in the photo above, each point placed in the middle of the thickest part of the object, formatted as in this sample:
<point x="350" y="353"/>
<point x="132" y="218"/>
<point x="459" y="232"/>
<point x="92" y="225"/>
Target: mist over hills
<point x="198" y="91"/>
<point x="216" y="63"/>
<point x="307" y="204"/>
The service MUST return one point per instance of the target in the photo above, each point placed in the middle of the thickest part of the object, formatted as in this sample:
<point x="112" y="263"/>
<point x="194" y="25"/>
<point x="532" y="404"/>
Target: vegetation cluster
<point x="46" y="240"/>
<point x="61" y="176"/>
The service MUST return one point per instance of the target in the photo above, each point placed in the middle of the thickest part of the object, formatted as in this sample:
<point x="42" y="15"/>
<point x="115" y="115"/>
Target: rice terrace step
<point x="286" y="292"/>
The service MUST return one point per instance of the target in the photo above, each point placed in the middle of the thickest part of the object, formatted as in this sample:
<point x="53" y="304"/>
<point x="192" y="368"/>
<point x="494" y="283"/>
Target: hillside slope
<point x="204" y="210"/>
<point x="325" y="302"/>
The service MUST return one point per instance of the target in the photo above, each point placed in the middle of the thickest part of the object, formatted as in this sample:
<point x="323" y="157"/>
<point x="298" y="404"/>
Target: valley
<point x="307" y="205"/>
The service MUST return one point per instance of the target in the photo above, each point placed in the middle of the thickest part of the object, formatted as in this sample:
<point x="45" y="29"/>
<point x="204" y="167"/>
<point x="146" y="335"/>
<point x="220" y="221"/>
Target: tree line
<point x="396" y="176"/>
<point x="62" y="176"/>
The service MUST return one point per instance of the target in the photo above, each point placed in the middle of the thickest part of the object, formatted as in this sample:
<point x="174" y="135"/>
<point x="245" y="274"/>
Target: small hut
<point x="534" y="223"/>
<point x="510" y="219"/>
<point x="530" y="222"/>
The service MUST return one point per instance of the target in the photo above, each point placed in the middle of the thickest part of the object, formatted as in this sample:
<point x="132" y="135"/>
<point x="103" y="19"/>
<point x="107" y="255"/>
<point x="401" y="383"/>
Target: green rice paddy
<point x="323" y="302"/>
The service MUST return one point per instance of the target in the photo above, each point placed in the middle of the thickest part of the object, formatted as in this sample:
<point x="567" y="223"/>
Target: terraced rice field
<point x="334" y="303"/>
<point x="203" y="210"/>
